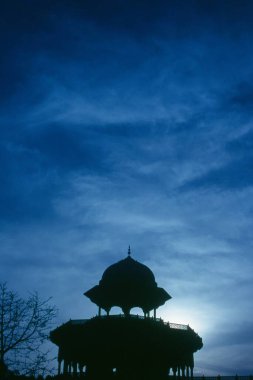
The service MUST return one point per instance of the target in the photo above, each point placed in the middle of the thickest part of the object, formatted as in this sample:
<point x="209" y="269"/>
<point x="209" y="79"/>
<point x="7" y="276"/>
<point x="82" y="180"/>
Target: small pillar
<point x="59" y="367"/>
<point x="74" y="365"/>
<point x="65" y="367"/>
<point x="154" y="314"/>
<point x="80" y="367"/>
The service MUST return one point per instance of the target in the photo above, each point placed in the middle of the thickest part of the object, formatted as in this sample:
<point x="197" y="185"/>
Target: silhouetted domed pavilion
<point x="126" y="346"/>
<point x="128" y="284"/>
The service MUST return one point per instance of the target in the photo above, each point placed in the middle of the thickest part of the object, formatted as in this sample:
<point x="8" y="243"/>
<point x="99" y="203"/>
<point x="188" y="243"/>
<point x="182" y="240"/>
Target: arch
<point x="137" y="311"/>
<point x="116" y="310"/>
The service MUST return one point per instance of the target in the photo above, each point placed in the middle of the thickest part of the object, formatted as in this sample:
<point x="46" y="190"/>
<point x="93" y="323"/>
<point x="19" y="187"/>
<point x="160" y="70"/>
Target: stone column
<point x="74" y="365"/>
<point x="65" y="367"/>
<point x="59" y="366"/>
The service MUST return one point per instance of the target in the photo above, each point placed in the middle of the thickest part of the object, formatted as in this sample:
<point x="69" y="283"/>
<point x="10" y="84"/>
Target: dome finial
<point x="129" y="251"/>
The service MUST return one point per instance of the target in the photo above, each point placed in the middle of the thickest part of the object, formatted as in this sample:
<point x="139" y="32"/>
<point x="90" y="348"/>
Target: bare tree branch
<point x="24" y="327"/>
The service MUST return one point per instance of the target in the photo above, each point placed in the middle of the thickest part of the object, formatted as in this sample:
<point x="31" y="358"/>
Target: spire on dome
<point x="129" y="251"/>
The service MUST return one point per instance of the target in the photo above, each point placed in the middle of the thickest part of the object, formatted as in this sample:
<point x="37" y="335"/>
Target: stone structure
<point x="126" y="346"/>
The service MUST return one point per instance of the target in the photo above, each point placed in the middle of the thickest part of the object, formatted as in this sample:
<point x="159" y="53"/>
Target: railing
<point x="77" y="321"/>
<point x="172" y="325"/>
<point x="177" y="326"/>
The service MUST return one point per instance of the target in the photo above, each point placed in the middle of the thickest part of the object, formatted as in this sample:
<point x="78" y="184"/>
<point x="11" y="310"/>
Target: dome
<point x="128" y="271"/>
<point x="128" y="284"/>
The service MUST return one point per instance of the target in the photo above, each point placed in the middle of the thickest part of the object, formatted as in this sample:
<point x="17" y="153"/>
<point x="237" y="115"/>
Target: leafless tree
<point x="24" y="328"/>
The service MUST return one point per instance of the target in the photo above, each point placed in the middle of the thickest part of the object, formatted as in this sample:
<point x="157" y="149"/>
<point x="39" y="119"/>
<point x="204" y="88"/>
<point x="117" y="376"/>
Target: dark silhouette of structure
<point x="126" y="346"/>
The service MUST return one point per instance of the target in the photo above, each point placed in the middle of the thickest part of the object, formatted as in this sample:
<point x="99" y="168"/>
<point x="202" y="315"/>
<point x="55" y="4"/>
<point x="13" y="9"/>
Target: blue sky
<point x="130" y="122"/>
